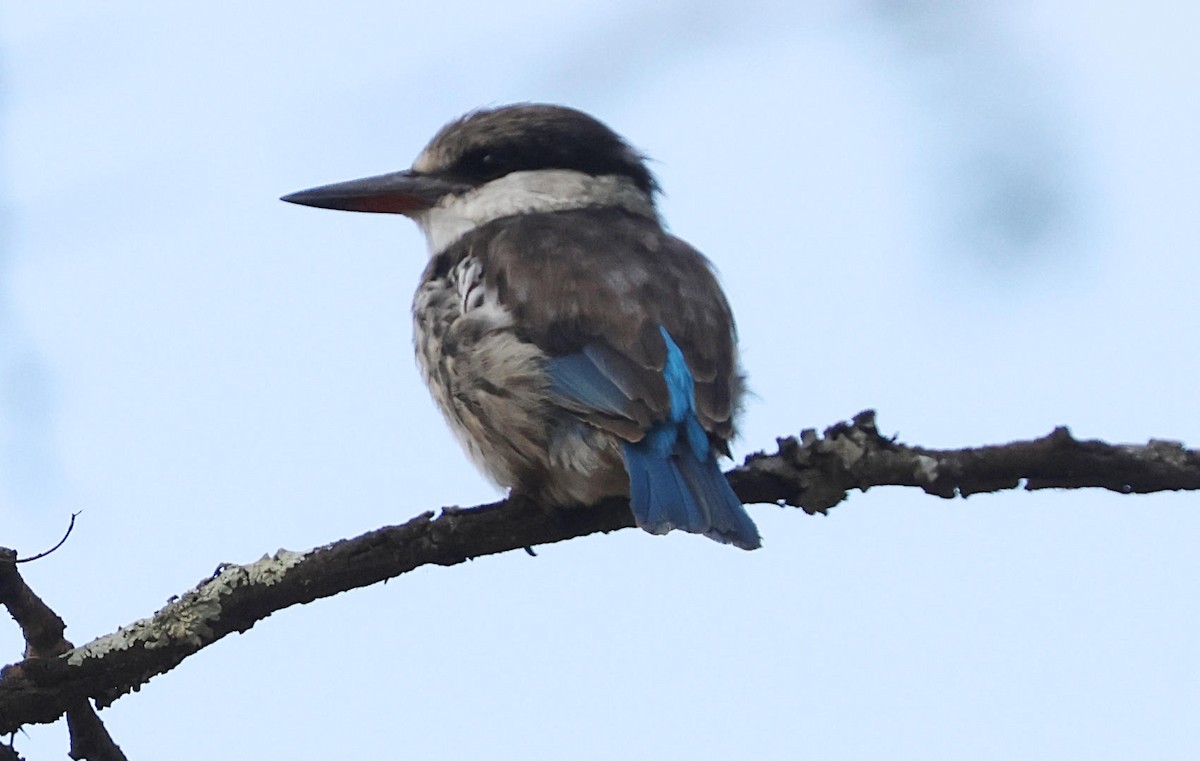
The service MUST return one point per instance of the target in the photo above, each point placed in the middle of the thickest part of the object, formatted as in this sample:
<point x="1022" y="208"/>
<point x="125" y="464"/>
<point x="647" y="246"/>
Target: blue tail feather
<point x="678" y="490"/>
<point x="674" y="480"/>
<point x="728" y="521"/>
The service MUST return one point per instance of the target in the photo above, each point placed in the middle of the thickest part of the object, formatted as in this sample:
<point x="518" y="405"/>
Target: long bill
<point x="394" y="193"/>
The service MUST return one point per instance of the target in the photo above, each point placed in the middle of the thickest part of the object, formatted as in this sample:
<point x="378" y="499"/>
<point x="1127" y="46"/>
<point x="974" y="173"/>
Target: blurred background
<point x="978" y="218"/>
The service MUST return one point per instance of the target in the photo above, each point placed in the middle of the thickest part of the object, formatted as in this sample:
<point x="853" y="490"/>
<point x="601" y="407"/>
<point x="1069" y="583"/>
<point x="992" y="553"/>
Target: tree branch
<point x="43" y="631"/>
<point x="814" y="473"/>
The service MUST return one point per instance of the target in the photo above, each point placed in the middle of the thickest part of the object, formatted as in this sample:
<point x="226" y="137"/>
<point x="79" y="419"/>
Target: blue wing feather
<point x="576" y="377"/>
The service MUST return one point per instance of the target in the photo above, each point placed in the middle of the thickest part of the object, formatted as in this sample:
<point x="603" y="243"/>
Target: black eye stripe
<point x="484" y="164"/>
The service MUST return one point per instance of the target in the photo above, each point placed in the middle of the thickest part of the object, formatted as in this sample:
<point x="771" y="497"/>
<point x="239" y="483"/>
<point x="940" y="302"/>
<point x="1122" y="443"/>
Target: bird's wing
<point x="594" y="290"/>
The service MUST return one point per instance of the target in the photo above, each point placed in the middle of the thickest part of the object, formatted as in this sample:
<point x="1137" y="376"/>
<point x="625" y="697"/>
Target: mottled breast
<point x="488" y="383"/>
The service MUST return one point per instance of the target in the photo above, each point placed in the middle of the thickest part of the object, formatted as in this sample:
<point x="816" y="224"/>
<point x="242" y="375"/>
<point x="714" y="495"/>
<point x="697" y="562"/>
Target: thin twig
<point x="61" y="542"/>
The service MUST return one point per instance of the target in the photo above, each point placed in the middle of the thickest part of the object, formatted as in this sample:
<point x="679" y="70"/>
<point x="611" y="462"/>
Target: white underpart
<point x="540" y="190"/>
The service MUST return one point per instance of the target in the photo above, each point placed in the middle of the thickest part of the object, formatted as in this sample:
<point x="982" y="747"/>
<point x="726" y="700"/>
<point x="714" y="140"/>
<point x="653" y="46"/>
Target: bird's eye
<point x="480" y="165"/>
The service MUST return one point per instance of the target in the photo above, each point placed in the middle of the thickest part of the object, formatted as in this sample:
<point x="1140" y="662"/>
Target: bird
<point x="577" y="349"/>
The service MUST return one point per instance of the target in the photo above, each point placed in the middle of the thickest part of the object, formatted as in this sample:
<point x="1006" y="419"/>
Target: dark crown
<point x="487" y="144"/>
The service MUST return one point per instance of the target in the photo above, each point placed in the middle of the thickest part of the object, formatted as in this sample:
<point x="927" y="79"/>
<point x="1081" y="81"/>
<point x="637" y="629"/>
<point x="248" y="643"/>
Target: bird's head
<point x="494" y="163"/>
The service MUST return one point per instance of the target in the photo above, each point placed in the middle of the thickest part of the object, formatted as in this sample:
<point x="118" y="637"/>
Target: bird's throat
<point x="532" y="192"/>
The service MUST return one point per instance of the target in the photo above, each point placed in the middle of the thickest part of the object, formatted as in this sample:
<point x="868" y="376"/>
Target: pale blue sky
<point x="978" y="218"/>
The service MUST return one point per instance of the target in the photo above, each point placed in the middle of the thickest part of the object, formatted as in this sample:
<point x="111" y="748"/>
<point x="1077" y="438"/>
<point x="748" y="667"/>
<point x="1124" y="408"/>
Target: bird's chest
<point x="449" y="324"/>
<point x="490" y="385"/>
<point x="448" y="313"/>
